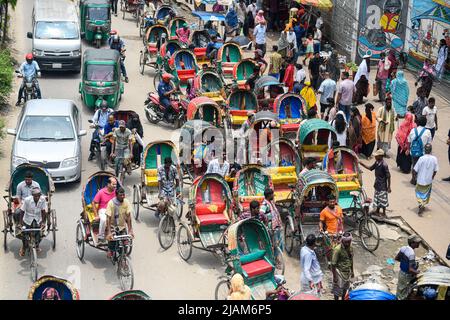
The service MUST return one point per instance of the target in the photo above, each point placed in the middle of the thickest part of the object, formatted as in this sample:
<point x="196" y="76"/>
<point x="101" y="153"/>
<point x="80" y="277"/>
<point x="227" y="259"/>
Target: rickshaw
<point x="291" y="109"/>
<point x="312" y="138"/>
<point x="169" y="47"/>
<point x="150" y="55"/>
<point x="146" y="194"/>
<point x="242" y="71"/>
<point x="88" y="227"/>
<point x="435" y="281"/>
<point x="251" y="255"/>
<point x="240" y="102"/>
<point x="95" y="20"/>
<point x="65" y="290"/>
<point x="283" y="168"/>
<point x="101" y="78"/>
<point x="311" y="197"/>
<point x="342" y="164"/>
<point x="195" y="136"/>
<point x="228" y="56"/>
<point x="175" y="24"/>
<point x="206" y="109"/>
<point x="133" y="7"/>
<point x="208" y="83"/>
<point x="209" y="216"/>
<point x="45" y="181"/>
<point x="163" y="11"/>
<point x="200" y="40"/>
<point x="131" y="295"/>
<point x="183" y="66"/>
<point x="267" y="88"/>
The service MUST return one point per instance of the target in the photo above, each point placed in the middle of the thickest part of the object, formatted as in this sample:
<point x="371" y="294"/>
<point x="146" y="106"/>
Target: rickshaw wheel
<point x="123" y="12"/>
<point x="222" y="290"/>
<point x="279" y="262"/>
<point x="53" y="216"/>
<point x="179" y="209"/>
<point x="157" y="78"/>
<point x="142" y="62"/>
<point x="125" y="273"/>
<point x="136" y="201"/>
<point x="369" y="234"/>
<point x="184" y="241"/>
<point x="33" y="264"/>
<point x="288" y="238"/>
<point x="166" y="231"/>
<point x="5" y="231"/>
<point x="138" y="14"/>
<point x="80" y="241"/>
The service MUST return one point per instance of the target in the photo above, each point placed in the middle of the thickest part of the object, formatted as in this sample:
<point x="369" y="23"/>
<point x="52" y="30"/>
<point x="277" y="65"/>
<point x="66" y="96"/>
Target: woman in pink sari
<point x="403" y="156"/>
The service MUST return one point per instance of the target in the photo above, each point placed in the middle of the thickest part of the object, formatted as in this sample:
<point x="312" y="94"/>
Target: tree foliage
<point x="6" y="75"/>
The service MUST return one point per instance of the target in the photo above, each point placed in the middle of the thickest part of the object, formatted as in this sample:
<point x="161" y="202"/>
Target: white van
<point x="56" y="35"/>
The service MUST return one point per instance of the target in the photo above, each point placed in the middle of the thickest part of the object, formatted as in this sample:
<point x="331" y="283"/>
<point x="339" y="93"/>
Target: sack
<point x="375" y="90"/>
<point x="417" y="144"/>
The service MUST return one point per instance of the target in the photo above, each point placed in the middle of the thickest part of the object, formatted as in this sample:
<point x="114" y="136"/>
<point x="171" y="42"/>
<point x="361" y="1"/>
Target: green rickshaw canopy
<point x="313" y="125"/>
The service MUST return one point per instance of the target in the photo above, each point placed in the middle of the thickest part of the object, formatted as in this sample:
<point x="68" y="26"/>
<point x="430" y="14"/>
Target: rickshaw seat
<point x="257" y="268"/>
<point x="200" y="52"/>
<point x="152" y="47"/>
<point x="212" y="219"/>
<point x="290" y="127"/>
<point x="185" y="75"/>
<point x="348" y="185"/>
<point x="283" y="175"/>
<point x="281" y="195"/>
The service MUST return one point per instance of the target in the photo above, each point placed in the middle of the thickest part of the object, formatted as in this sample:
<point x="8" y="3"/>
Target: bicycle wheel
<point x="136" y="201"/>
<point x="142" y="61"/>
<point x="222" y="290"/>
<point x="125" y="273"/>
<point x="166" y="232"/>
<point x="157" y="78"/>
<point x="53" y="217"/>
<point x="184" y="241"/>
<point x="288" y="238"/>
<point x="279" y="261"/>
<point x="179" y="209"/>
<point x="33" y="264"/>
<point x="369" y="234"/>
<point x="80" y="241"/>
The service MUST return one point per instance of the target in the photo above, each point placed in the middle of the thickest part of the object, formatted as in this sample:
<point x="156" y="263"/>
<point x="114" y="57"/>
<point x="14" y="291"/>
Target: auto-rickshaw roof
<point x="266" y="81"/>
<point x="313" y="125"/>
<point x="101" y="55"/>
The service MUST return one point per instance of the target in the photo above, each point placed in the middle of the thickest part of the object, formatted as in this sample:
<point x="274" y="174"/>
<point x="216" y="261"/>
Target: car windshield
<point x="47" y="128"/>
<point x="97" y="72"/>
<point x="56" y="30"/>
<point x="100" y="14"/>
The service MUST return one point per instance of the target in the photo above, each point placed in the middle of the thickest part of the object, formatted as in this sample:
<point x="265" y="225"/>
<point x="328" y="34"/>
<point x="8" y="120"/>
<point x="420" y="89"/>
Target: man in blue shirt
<point x="260" y="37"/>
<point x="165" y="89"/>
<point x="212" y="48"/>
<point x="30" y="68"/>
<point x="116" y="43"/>
<point x="108" y="131"/>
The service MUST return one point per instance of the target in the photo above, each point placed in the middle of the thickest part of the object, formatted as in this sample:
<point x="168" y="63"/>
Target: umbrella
<point x="321" y="4"/>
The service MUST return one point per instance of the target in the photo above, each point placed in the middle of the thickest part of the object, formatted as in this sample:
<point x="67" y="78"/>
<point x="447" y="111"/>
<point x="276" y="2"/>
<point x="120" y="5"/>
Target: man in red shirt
<point x="100" y="203"/>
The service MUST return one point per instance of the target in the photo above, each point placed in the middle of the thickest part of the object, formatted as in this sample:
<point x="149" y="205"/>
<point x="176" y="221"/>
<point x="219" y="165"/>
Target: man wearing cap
<point x="382" y="181"/>
<point x="331" y="217"/>
<point x="342" y="266"/>
<point x="34" y="209"/>
<point x="122" y="145"/>
<point x="183" y="34"/>
<point x="409" y="268"/>
<point x="165" y="89"/>
<point x="424" y="171"/>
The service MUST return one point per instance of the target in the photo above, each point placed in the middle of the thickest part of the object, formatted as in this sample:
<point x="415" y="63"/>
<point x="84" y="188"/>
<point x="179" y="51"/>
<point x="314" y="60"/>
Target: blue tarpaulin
<point x="370" y="294"/>
<point x="209" y="16"/>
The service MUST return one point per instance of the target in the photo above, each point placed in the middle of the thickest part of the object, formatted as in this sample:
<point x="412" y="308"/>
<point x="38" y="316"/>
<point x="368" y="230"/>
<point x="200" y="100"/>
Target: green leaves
<point x="6" y="75"/>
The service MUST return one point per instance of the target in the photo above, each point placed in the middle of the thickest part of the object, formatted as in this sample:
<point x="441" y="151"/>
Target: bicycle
<point x="121" y="246"/>
<point x="122" y="165"/>
<point x="359" y="215"/>
<point x="325" y="243"/>
<point x="30" y="236"/>
<point x="166" y="229"/>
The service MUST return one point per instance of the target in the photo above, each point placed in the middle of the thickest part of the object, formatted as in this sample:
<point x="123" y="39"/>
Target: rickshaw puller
<point x="168" y="182"/>
<point x="165" y="89"/>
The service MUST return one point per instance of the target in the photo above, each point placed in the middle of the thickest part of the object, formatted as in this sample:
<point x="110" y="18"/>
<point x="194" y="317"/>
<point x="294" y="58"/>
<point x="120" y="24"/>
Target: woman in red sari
<point x="403" y="156"/>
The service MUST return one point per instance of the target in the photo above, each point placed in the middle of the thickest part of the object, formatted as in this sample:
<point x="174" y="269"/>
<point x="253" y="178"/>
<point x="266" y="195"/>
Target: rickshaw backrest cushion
<point x="186" y="74"/>
<point x="257" y="268"/>
<point x="152" y="47"/>
<point x="38" y="176"/>
<point x="200" y="51"/>
<point x="316" y="148"/>
<point x="252" y="256"/>
<point x="151" y="177"/>
<point x="243" y="113"/>
<point x="210" y="208"/>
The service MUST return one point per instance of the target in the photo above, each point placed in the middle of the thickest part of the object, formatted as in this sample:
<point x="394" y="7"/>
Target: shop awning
<point x="320" y="4"/>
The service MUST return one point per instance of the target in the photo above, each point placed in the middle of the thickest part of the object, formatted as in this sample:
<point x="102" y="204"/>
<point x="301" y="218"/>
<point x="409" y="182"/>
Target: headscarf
<point x="308" y="94"/>
<point x="282" y="42"/>
<point x="400" y="93"/>
<point x="231" y="19"/>
<point x="404" y="130"/>
<point x="239" y="291"/>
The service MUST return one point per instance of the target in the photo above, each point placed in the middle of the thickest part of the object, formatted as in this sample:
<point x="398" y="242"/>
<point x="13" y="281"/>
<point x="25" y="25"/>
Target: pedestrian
<point x="441" y="59"/>
<point x="238" y="289"/>
<point x="404" y="160"/>
<point x="309" y="44"/>
<point x="426" y="76"/>
<point x="417" y="139"/>
<point x="299" y="79"/>
<point x="400" y="94"/>
<point x="430" y="112"/>
<point x="252" y="8"/>
<point x="289" y="74"/>
<point x="271" y="216"/>
<point x="311" y="276"/>
<point x="382" y="184"/>
<point x="448" y="143"/>
<point x="342" y="266"/>
<point x="382" y="75"/>
<point x="344" y="98"/>
<point x="340" y="125"/>
<point x="317" y="39"/>
<point x="258" y="58"/>
<point x="241" y="10"/>
<point x="300" y="32"/>
<point x="260" y="36"/>
<point x="231" y="24"/>
<point x="386" y="125"/>
<point x="292" y="41"/>
<point x="114" y="6"/>
<point x="308" y="94"/>
<point x="409" y="268"/>
<point x="260" y="18"/>
<point x="393" y="62"/>
<point x="368" y="130"/>
<point x="361" y="80"/>
<point x="275" y="63"/>
<point x="354" y="130"/>
<point x="314" y="69"/>
<point x="283" y="44"/>
<point x="319" y="21"/>
<point x="284" y="66"/>
<point x="420" y="103"/>
<point x="327" y="91"/>
<point x="425" y="170"/>
<point x="334" y="66"/>
<point x="250" y="18"/>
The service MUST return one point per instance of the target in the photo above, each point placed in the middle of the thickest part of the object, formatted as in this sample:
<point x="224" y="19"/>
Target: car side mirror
<point x="82" y="133"/>
<point x="11" y="132"/>
<point x="29" y="35"/>
<point x="83" y="35"/>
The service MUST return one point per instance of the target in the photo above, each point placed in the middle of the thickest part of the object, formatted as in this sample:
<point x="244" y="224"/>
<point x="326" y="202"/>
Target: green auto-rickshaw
<point x="95" y="21"/>
<point x="101" y="78"/>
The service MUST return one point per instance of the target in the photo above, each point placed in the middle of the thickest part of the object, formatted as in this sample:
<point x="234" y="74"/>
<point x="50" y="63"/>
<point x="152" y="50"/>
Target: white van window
<point x="56" y="30"/>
